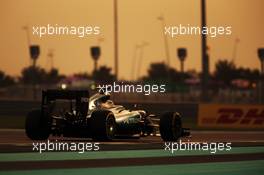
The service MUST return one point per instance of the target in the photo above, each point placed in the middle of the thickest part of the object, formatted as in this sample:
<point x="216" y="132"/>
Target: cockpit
<point x="100" y="101"/>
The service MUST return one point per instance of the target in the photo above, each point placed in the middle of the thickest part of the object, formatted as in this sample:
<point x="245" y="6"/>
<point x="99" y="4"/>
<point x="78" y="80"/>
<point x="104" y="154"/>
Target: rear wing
<point x="80" y="97"/>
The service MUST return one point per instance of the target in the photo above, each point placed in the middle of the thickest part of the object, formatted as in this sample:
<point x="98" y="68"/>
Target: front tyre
<point x="36" y="126"/>
<point x="170" y="126"/>
<point x="103" y="125"/>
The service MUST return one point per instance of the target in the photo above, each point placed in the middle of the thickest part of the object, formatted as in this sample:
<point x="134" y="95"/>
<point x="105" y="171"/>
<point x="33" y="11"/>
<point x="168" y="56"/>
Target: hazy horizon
<point x="137" y="23"/>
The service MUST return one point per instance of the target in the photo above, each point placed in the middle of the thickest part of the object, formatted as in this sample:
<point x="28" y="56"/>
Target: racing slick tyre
<point x="103" y="125"/>
<point x="170" y="126"/>
<point x="36" y="127"/>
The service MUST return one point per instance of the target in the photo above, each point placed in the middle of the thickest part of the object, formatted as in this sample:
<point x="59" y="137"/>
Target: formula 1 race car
<point x="71" y="113"/>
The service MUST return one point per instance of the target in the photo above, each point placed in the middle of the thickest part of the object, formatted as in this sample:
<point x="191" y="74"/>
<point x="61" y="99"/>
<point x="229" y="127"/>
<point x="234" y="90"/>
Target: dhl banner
<point x="231" y="116"/>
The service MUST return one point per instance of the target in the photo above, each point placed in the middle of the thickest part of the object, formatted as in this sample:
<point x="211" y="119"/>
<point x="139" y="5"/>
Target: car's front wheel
<point x="103" y="125"/>
<point x="170" y="126"/>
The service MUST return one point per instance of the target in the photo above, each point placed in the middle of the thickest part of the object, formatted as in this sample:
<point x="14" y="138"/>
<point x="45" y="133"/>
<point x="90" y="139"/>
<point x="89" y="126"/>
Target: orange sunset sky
<point x="137" y="23"/>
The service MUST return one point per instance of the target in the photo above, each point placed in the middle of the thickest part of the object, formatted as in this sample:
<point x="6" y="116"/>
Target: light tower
<point x="166" y="43"/>
<point x="182" y="53"/>
<point x="205" y="57"/>
<point x="261" y="58"/>
<point x="34" y="53"/>
<point x="95" y="53"/>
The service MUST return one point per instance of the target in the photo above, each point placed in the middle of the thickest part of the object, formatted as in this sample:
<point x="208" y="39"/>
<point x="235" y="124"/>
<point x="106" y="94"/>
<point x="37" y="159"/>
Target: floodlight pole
<point x="182" y="53"/>
<point x="141" y="52"/>
<point x="50" y="57"/>
<point x="205" y="58"/>
<point x="261" y="58"/>
<point x="166" y="43"/>
<point x="262" y="67"/>
<point x="134" y="59"/>
<point x="28" y="39"/>
<point x="262" y="82"/>
<point x="116" y="38"/>
<point x="95" y="53"/>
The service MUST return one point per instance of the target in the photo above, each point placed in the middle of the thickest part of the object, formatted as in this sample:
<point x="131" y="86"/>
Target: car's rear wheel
<point x="170" y="126"/>
<point x="37" y="128"/>
<point x="103" y="125"/>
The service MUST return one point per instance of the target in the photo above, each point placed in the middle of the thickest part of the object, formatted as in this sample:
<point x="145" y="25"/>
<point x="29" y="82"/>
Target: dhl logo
<point x="231" y="116"/>
<point x="234" y="115"/>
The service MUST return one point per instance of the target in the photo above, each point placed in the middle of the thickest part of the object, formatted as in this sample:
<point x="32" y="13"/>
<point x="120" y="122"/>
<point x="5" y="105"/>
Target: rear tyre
<point x="170" y="126"/>
<point x="36" y="127"/>
<point x="103" y="125"/>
